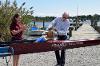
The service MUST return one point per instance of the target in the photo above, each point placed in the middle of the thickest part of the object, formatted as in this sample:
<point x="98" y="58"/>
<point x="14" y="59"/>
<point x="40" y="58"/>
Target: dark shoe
<point x="62" y="64"/>
<point x="57" y="65"/>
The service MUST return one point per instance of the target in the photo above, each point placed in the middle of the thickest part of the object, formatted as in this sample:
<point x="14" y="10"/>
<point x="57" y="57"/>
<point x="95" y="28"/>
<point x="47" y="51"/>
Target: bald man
<point x="61" y="25"/>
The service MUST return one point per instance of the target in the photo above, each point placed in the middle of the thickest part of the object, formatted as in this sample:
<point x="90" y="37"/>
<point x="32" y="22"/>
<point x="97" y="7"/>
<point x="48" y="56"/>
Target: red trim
<point x="52" y="46"/>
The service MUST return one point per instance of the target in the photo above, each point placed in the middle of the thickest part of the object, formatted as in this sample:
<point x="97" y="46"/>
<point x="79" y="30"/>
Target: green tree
<point x="7" y="10"/>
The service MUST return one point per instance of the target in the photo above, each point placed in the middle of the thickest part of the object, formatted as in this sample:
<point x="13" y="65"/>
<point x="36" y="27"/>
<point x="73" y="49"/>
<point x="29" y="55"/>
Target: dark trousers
<point x="60" y="57"/>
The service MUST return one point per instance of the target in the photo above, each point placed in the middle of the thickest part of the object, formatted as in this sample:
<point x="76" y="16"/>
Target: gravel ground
<point x="84" y="56"/>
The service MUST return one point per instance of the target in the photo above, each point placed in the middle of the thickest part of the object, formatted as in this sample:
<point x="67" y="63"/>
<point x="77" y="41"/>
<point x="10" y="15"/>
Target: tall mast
<point x="77" y="23"/>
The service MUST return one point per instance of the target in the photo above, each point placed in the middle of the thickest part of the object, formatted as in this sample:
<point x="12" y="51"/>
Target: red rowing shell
<point x="24" y="48"/>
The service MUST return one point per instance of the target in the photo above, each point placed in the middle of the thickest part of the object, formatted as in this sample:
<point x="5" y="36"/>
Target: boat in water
<point x="33" y="32"/>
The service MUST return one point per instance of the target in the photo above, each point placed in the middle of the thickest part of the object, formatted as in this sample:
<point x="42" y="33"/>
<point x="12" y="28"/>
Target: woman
<point x="16" y="29"/>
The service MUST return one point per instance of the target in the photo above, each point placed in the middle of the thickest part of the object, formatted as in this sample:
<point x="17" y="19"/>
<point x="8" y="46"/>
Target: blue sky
<point x="57" y="7"/>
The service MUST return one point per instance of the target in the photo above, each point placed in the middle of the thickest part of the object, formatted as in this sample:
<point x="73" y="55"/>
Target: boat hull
<point x="25" y="48"/>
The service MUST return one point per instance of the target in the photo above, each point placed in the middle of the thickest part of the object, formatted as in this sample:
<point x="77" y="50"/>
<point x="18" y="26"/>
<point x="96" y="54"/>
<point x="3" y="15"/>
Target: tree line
<point x="93" y="18"/>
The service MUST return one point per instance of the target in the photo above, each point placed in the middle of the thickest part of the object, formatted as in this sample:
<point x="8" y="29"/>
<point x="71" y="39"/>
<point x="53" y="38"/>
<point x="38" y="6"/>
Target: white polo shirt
<point x="60" y="25"/>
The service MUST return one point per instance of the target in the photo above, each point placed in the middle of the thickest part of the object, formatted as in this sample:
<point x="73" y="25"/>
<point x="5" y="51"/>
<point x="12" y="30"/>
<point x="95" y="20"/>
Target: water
<point x="41" y="24"/>
<point x="29" y="29"/>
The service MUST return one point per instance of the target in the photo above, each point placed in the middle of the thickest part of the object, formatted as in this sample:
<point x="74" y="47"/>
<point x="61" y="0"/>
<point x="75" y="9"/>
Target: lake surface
<point x="41" y="24"/>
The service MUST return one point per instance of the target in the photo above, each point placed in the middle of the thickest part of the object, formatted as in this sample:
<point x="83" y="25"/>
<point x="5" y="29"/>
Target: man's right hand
<point x="52" y="29"/>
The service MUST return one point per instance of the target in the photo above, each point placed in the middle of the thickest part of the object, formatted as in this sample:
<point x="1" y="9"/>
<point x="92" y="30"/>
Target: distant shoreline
<point x="42" y="21"/>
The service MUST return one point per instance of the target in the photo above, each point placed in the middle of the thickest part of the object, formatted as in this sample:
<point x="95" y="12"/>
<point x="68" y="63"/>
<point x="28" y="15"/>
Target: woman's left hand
<point x="24" y="27"/>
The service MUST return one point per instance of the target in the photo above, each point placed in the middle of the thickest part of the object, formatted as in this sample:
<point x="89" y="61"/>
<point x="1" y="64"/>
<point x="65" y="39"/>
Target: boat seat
<point x="6" y="51"/>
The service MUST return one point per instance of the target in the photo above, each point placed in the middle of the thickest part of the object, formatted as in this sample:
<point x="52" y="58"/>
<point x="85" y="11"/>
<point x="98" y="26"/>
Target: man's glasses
<point x="65" y="17"/>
